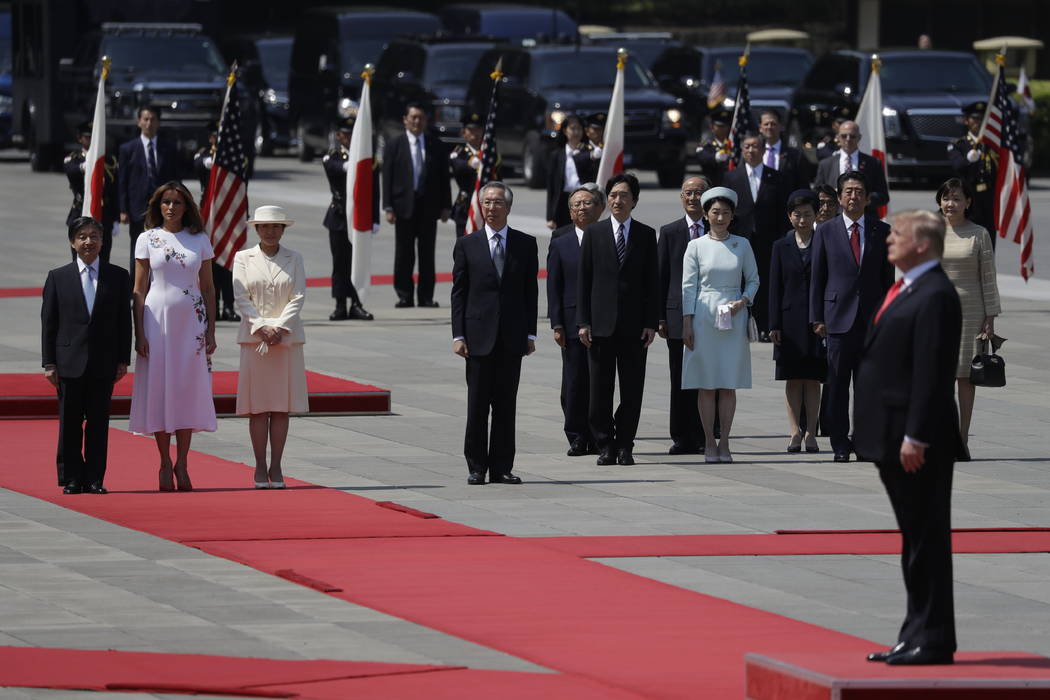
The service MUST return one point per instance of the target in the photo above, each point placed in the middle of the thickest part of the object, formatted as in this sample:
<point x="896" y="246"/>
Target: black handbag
<point x="987" y="368"/>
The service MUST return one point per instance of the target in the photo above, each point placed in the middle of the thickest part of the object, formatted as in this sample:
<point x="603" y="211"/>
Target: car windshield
<point x="452" y="66"/>
<point x="357" y="52"/>
<point x="275" y="55"/>
<point x="785" y="69"/>
<point x="587" y="70"/>
<point x="934" y="74"/>
<point x="514" y="24"/>
<point x="170" y="56"/>
<point x="365" y="37"/>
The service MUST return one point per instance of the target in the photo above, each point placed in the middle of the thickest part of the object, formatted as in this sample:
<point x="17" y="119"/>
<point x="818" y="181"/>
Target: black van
<point x="331" y="48"/>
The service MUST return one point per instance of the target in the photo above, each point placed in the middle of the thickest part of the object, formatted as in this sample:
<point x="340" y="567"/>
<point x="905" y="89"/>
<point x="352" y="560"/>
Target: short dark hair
<point x="954" y="183"/>
<point x="415" y="105"/>
<point x="775" y="113"/>
<point x="629" y="178"/>
<point x="851" y="175"/>
<point x="801" y="200"/>
<point x="191" y="218"/>
<point x="80" y="222"/>
<point x="826" y="189"/>
<point x="752" y="135"/>
<point x="148" y="108"/>
<point x="715" y="200"/>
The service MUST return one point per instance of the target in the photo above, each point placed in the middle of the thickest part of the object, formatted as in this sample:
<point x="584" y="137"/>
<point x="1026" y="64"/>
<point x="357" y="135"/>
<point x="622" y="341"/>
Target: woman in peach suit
<point x="269" y="287"/>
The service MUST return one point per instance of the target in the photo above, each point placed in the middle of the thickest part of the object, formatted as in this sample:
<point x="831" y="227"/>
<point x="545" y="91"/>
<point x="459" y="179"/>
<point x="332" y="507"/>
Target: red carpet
<point x="835" y="675"/>
<point x="31" y="396"/>
<point x="829" y="542"/>
<point x="223" y="506"/>
<point x="274" y="678"/>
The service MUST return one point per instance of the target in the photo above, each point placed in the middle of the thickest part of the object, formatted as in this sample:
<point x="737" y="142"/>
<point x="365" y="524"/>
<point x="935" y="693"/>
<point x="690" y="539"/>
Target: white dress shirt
<point x="626" y="229"/>
<point x="754" y="177"/>
<point x="848" y="162"/>
<point x="572" y="176"/>
<point x="849" y="223"/>
<point x="579" y="235"/>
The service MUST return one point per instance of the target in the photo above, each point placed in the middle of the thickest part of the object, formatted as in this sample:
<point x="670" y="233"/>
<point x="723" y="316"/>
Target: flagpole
<point x="734" y="148"/>
<point x="611" y="161"/>
<point x="95" y="158"/>
<point x="1000" y="60"/>
<point x="361" y="236"/>
<point x="474" y="209"/>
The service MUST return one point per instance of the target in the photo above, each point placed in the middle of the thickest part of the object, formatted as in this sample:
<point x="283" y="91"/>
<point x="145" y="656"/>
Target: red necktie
<point x="854" y="241"/>
<point x="890" y="296"/>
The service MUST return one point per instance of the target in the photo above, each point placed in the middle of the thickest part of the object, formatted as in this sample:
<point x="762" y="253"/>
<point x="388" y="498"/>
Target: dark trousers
<point x="461" y="225"/>
<point x="759" y="309"/>
<point x="342" y="257"/>
<point x="134" y="229"/>
<point x="561" y="211"/>
<point x="621" y="356"/>
<point x="843" y="353"/>
<point x="686" y="428"/>
<point x="492" y="384"/>
<point x="223" y="279"/>
<point x="575" y="391"/>
<point x="83" y="429"/>
<point x="417" y="234"/>
<point x="922" y="503"/>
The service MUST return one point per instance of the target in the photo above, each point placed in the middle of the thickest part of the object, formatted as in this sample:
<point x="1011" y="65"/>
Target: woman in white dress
<point x="269" y="287"/>
<point x="719" y="273"/>
<point x="174" y="304"/>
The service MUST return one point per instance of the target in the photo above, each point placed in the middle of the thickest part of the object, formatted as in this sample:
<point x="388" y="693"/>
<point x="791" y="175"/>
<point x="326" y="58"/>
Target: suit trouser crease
<point x="575" y="391"/>
<point x="223" y="285"/>
<point x="620" y="357"/>
<point x="342" y="258"/>
<point x="411" y="236"/>
<point x="83" y="434"/>
<point x="492" y="385"/>
<point x="843" y="354"/>
<point x="685" y="425"/>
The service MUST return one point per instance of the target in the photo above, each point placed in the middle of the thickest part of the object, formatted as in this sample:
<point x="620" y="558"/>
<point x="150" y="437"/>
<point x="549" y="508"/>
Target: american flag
<point x="225" y="209"/>
<point x="716" y="94"/>
<point x="743" y="120"/>
<point x="489" y="155"/>
<point x="1013" y="213"/>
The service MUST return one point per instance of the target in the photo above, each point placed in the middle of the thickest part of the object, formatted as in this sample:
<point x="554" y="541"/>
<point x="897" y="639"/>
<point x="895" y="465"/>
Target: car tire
<point x="670" y="176"/>
<point x="305" y="151"/>
<point x="532" y="163"/>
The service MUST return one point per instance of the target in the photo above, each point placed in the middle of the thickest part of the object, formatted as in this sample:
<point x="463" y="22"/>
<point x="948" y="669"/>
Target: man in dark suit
<point x="416" y="193"/>
<point x="788" y="161"/>
<point x="494" y="298"/>
<point x="848" y="158"/>
<point x="908" y="425"/>
<point x="761" y="215"/>
<point x="144" y="164"/>
<point x="686" y="429"/>
<point x="716" y="150"/>
<point x="618" y="311"/>
<point x="978" y="166"/>
<point x="849" y="276"/>
<point x="85" y="348"/>
<point x="586" y="205"/>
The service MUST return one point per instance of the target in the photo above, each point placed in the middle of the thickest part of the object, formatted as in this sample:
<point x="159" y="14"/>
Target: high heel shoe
<point x="725" y="457"/>
<point x="796" y="443"/>
<point x="167" y="480"/>
<point x="811" y="444"/>
<point x="183" y="480"/>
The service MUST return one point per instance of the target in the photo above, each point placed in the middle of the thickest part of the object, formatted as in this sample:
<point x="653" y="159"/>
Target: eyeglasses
<point x="849" y="137"/>
<point x="583" y="204"/>
<point x="692" y="193"/>
<point x="493" y="203"/>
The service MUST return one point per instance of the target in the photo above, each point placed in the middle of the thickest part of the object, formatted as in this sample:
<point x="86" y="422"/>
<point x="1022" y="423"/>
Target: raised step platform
<point x="32" y="396"/>
<point x="976" y="675"/>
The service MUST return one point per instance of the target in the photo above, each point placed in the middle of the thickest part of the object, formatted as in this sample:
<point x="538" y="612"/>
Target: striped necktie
<point x="621" y="244"/>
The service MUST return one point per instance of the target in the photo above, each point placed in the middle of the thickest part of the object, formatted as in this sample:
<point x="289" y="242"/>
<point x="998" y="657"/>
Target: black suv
<point x="518" y="23"/>
<point x="331" y="48"/>
<point x="773" y="73"/>
<point x="923" y="93"/>
<point x="264" y="62"/>
<point x="541" y="85"/>
<point x="434" y="72"/>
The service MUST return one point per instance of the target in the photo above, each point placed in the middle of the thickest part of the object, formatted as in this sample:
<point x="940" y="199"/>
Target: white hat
<point x="718" y="192"/>
<point x="270" y="214"/>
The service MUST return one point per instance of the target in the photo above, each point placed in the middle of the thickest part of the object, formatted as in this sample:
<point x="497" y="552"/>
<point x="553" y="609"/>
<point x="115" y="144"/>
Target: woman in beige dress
<point x="269" y="287"/>
<point x="969" y="261"/>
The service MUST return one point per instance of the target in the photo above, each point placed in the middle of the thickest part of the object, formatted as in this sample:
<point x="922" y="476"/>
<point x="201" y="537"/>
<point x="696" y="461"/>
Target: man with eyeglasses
<point x="849" y="159"/>
<point x="494" y="298"/>
<point x="586" y="204"/>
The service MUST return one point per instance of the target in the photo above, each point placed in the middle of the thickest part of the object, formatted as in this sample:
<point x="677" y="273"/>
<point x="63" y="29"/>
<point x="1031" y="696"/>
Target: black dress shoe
<point x="223" y="316"/>
<point x="683" y="449"/>
<point x="921" y="656"/>
<point x="883" y="655"/>
<point x="579" y="448"/>
<point x="507" y="478"/>
<point x="73" y="487"/>
<point x="95" y="487"/>
<point x="431" y="304"/>
<point x="476" y="479"/>
<point x="358" y="313"/>
<point x="763" y="337"/>
<point x="606" y="457"/>
<point x="339" y="314"/>
<point x="404" y="304"/>
<point x="842" y="456"/>
<point x="232" y="315"/>
<point x="624" y="457"/>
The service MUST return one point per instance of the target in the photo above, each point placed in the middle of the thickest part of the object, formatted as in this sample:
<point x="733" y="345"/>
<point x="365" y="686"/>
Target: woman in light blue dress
<point x="719" y="269"/>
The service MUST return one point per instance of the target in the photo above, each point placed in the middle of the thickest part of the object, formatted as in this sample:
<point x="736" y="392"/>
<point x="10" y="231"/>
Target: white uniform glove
<point x="721" y="157"/>
<point x="973" y="156"/>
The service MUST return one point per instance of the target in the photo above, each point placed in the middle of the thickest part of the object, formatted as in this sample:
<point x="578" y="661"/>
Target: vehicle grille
<point x="937" y="125"/>
<point x="185" y="104"/>
<point x="641" y="122"/>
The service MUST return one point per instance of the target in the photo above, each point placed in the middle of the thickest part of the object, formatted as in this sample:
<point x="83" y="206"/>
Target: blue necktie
<point x="89" y="288"/>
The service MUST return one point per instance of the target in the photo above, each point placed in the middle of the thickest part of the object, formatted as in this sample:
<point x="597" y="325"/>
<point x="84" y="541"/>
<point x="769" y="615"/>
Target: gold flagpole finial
<point x="497" y="72"/>
<point x="876" y="63"/>
<point x="742" y="61"/>
<point x="368" y="72"/>
<point x="106" y="63"/>
<point x="232" y="76"/>
<point x="1000" y="58"/>
<point x="621" y="58"/>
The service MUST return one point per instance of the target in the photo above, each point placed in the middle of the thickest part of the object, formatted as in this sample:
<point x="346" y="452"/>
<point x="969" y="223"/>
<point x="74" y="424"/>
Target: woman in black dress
<point x="799" y="353"/>
<point x="573" y="163"/>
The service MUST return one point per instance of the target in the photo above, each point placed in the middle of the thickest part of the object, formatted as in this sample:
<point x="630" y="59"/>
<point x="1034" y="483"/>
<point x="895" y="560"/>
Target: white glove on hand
<point x="973" y="156"/>
<point x="721" y="157"/>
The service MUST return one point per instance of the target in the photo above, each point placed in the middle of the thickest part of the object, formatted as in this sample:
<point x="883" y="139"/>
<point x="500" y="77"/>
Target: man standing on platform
<point x="145" y="163"/>
<point x="715" y="152"/>
<point x="494" y="298"/>
<point x="686" y="429"/>
<point x="586" y="205"/>
<point x="908" y="425"/>
<point x="618" y="311"/>
<point x="416" y="193"/>
<point x="335" y="165"/>
<point x="850" y="275"/>
<point x="978" y="166"/>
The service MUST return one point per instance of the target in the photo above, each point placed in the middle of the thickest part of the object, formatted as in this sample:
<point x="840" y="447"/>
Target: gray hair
<point x="508" y="194"/>
<point x="925" y="225"/>
<point x="696" y="176"/>
<point x="592" y="189"/>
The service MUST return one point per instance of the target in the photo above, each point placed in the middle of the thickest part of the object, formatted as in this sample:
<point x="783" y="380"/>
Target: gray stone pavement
<point x="69" y="580"/>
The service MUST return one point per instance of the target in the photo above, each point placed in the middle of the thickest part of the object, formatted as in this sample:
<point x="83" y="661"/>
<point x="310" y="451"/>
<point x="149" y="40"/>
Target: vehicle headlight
<point x="347" y="108"/>
<point x="555" y="118"/>
<point x="673" y="117"/>
<point x="270" y="96"/>
<point x="891" y="122"/>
